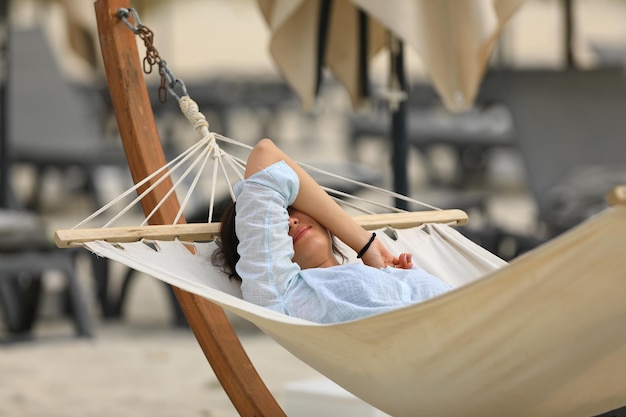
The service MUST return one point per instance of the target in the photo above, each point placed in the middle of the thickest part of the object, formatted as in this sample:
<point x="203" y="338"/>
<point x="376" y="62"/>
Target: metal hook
<point x="172" y="81"/>
<point x="169" y="82"/>
<point x="124" y="13"/>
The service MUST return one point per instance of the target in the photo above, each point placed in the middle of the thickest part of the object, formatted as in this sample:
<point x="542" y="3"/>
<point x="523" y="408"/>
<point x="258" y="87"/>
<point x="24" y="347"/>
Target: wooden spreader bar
<point x="207" y="231"/>
<point x="617" y="196"/>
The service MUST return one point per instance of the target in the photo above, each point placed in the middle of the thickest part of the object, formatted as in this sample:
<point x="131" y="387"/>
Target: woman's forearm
<point x="312" y="199"/>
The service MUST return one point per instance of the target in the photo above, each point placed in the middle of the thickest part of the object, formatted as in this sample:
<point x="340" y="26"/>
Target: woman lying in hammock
<point x="279" y="244"/>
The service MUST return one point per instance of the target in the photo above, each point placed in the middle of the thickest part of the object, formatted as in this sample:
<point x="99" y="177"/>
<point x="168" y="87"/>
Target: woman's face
<point x="312" y="243"/>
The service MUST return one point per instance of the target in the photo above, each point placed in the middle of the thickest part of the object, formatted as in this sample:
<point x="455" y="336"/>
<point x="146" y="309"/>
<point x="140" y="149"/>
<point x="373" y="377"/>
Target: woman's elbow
<point x="264" y="154"/>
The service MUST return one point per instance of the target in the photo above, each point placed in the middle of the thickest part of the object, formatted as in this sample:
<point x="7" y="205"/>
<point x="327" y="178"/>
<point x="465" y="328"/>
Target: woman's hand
<point x="404" y="261"/>
<point x="378" y="256"/>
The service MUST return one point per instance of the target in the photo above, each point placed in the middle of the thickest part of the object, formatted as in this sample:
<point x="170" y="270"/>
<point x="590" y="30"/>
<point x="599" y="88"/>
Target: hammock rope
<point x="193" y="162"/>
<point x="208" y="147"/>
<point x="186" y="170"/>
<point x="197" y="157"/>
<point x="191" y="110"/>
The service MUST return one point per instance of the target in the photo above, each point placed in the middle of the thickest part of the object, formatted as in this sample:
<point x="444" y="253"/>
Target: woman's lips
<point x="300" y="233"/>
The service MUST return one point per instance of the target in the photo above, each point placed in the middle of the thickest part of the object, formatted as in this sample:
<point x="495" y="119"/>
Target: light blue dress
<point x="322" y="295"/>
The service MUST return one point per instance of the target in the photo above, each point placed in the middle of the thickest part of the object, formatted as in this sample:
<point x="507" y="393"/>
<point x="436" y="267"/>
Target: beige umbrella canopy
<point x="298" y="32"/>
<point x="454" y="38"/>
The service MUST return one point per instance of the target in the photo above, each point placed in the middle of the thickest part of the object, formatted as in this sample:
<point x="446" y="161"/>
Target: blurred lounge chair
<point x="27" y="253"/>
<point x="470" y="136"/>
<point x="569" y="126"/>
<point x="53" y="126"/>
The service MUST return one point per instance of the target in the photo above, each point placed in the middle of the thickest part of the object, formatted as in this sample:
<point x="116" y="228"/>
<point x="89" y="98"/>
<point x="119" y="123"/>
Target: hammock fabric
<point x="542" y="336"/>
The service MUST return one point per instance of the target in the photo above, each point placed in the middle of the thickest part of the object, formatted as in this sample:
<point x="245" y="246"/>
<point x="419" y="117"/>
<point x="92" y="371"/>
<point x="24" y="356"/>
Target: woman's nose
<point x="292" y="221"/>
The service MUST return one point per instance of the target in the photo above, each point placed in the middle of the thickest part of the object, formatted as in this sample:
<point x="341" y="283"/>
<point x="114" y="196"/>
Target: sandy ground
<point x="139" y="367"/>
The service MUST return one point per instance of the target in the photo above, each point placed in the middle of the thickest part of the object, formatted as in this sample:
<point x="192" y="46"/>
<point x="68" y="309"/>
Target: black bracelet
<point x="366" y="247"/>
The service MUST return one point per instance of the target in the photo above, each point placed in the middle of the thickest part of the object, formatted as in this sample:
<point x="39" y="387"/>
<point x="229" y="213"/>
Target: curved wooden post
<point x="144" y="152"/>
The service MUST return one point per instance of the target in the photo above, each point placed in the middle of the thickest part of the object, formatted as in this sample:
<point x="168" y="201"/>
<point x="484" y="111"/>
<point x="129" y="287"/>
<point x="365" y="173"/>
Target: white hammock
<point x="542" y="336"/>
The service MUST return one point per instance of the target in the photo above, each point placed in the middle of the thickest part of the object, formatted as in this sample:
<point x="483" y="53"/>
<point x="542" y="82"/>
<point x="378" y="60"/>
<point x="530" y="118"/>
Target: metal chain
<point x="169" y="82"/>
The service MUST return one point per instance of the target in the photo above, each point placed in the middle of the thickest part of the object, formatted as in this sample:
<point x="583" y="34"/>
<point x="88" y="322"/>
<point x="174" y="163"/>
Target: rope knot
<point x="192" y="112"/>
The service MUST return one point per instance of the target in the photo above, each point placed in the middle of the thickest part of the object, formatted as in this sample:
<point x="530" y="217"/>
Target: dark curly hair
<point x="226" y="255"/>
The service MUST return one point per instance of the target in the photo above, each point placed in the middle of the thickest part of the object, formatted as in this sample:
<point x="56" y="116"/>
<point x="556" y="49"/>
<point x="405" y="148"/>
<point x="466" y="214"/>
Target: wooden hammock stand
<point x="142" y="145"/>
<point x="144" y="152"/>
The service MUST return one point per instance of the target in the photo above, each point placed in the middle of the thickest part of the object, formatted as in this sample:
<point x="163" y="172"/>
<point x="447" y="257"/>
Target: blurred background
<point x="534" y="156"/>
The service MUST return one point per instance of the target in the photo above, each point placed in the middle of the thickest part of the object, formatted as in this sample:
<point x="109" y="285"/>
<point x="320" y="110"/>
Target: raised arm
<point x="314" y="201"/>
